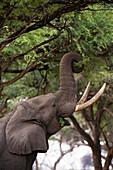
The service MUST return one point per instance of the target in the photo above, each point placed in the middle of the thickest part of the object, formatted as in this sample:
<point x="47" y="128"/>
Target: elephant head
<point x="66" y="95"/>
<point x="35" y="120"/>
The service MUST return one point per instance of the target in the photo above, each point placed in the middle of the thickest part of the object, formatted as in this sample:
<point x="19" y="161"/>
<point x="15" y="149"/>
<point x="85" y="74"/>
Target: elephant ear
<point x="24" y="134"/>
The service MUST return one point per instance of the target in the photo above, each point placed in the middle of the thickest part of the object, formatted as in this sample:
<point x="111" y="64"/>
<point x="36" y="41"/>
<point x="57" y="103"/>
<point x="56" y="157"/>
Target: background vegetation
<point x="34" y="35"/>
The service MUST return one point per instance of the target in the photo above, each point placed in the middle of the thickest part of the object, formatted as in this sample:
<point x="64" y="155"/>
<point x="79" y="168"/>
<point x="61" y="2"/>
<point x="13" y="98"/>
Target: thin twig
<point x="105" y="138"/>
<point x="109" y="111"/>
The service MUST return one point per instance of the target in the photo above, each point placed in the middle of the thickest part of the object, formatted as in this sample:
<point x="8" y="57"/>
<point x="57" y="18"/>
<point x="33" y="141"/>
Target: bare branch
<point x="105" y="158"/>
<point x="82" y="132"/>
<point x="109" y="111"/>
<point x="108" y="159"/>
<point x="86" y="119"/>
<point x="105" y="138"/>
<point x="63" y="153"/>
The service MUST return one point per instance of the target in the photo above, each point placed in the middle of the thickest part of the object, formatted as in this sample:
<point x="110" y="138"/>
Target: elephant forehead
<point x="43" y="99"/>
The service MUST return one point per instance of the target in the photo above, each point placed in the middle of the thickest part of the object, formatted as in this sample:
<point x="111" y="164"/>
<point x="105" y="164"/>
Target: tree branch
<point x="63" y="153"/>
<point x="105" y="138"/>
<point x="106" y="109"/>
<point x="82" y="132"/>
<point x="35" y="47"/>
<point x="29" y="67"/>
<point x="89" y="119"/>
<point x="48" y="17"/>
<point x="108" y="159"/>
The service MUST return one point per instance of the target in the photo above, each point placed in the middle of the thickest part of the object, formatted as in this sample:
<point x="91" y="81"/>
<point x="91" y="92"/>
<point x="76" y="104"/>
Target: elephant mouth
<point x="63" y="122"/>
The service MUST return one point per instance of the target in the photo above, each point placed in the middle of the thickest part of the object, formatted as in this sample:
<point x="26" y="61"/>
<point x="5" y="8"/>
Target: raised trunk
<point x="67" y="91"/>
<point x="67" y="68"/>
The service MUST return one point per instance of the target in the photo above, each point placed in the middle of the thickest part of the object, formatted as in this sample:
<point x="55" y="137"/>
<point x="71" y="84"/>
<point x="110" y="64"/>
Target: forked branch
<point x="82" y="132"/>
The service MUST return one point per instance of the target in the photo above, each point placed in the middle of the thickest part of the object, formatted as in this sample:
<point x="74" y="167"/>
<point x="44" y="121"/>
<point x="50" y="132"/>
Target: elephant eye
<point x="53" y="104"/>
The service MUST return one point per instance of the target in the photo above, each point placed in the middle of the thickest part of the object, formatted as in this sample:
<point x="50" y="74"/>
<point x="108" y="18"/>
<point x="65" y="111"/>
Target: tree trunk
<point x="97" y="148"/>
<point x="97" y="160"/>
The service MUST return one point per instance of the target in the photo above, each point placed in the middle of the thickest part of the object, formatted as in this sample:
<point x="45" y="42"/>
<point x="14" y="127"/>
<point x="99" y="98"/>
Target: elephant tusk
<point x="84" y="96"/>
<point x="91" y="101"/>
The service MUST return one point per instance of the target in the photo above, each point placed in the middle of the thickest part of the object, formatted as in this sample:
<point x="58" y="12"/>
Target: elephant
<point x="25" y="131"/>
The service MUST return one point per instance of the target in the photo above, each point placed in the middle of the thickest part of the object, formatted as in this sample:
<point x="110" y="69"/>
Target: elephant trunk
<point x="67" y="90"/>
<point x="67" y="68"/>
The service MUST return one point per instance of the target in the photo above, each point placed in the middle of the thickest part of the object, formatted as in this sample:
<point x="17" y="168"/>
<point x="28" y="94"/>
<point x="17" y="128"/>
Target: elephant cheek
<point x="53" y="127"/>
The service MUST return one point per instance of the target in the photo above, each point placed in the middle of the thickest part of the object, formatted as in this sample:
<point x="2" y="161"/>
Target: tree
<point x="22" y="47"/>
<point x="31" y="31"/>
<point x="28" y="16"/>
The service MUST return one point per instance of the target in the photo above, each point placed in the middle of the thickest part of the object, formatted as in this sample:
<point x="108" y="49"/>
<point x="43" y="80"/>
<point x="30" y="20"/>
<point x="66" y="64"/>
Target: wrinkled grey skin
<point x="25" y="130"/>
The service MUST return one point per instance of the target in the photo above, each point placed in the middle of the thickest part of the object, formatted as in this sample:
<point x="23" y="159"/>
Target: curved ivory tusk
<point x="84" y="96"/>
<point x="91" y="101"/>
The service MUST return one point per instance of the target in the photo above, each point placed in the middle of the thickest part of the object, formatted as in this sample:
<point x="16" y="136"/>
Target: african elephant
<point x="25" y="130"/>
